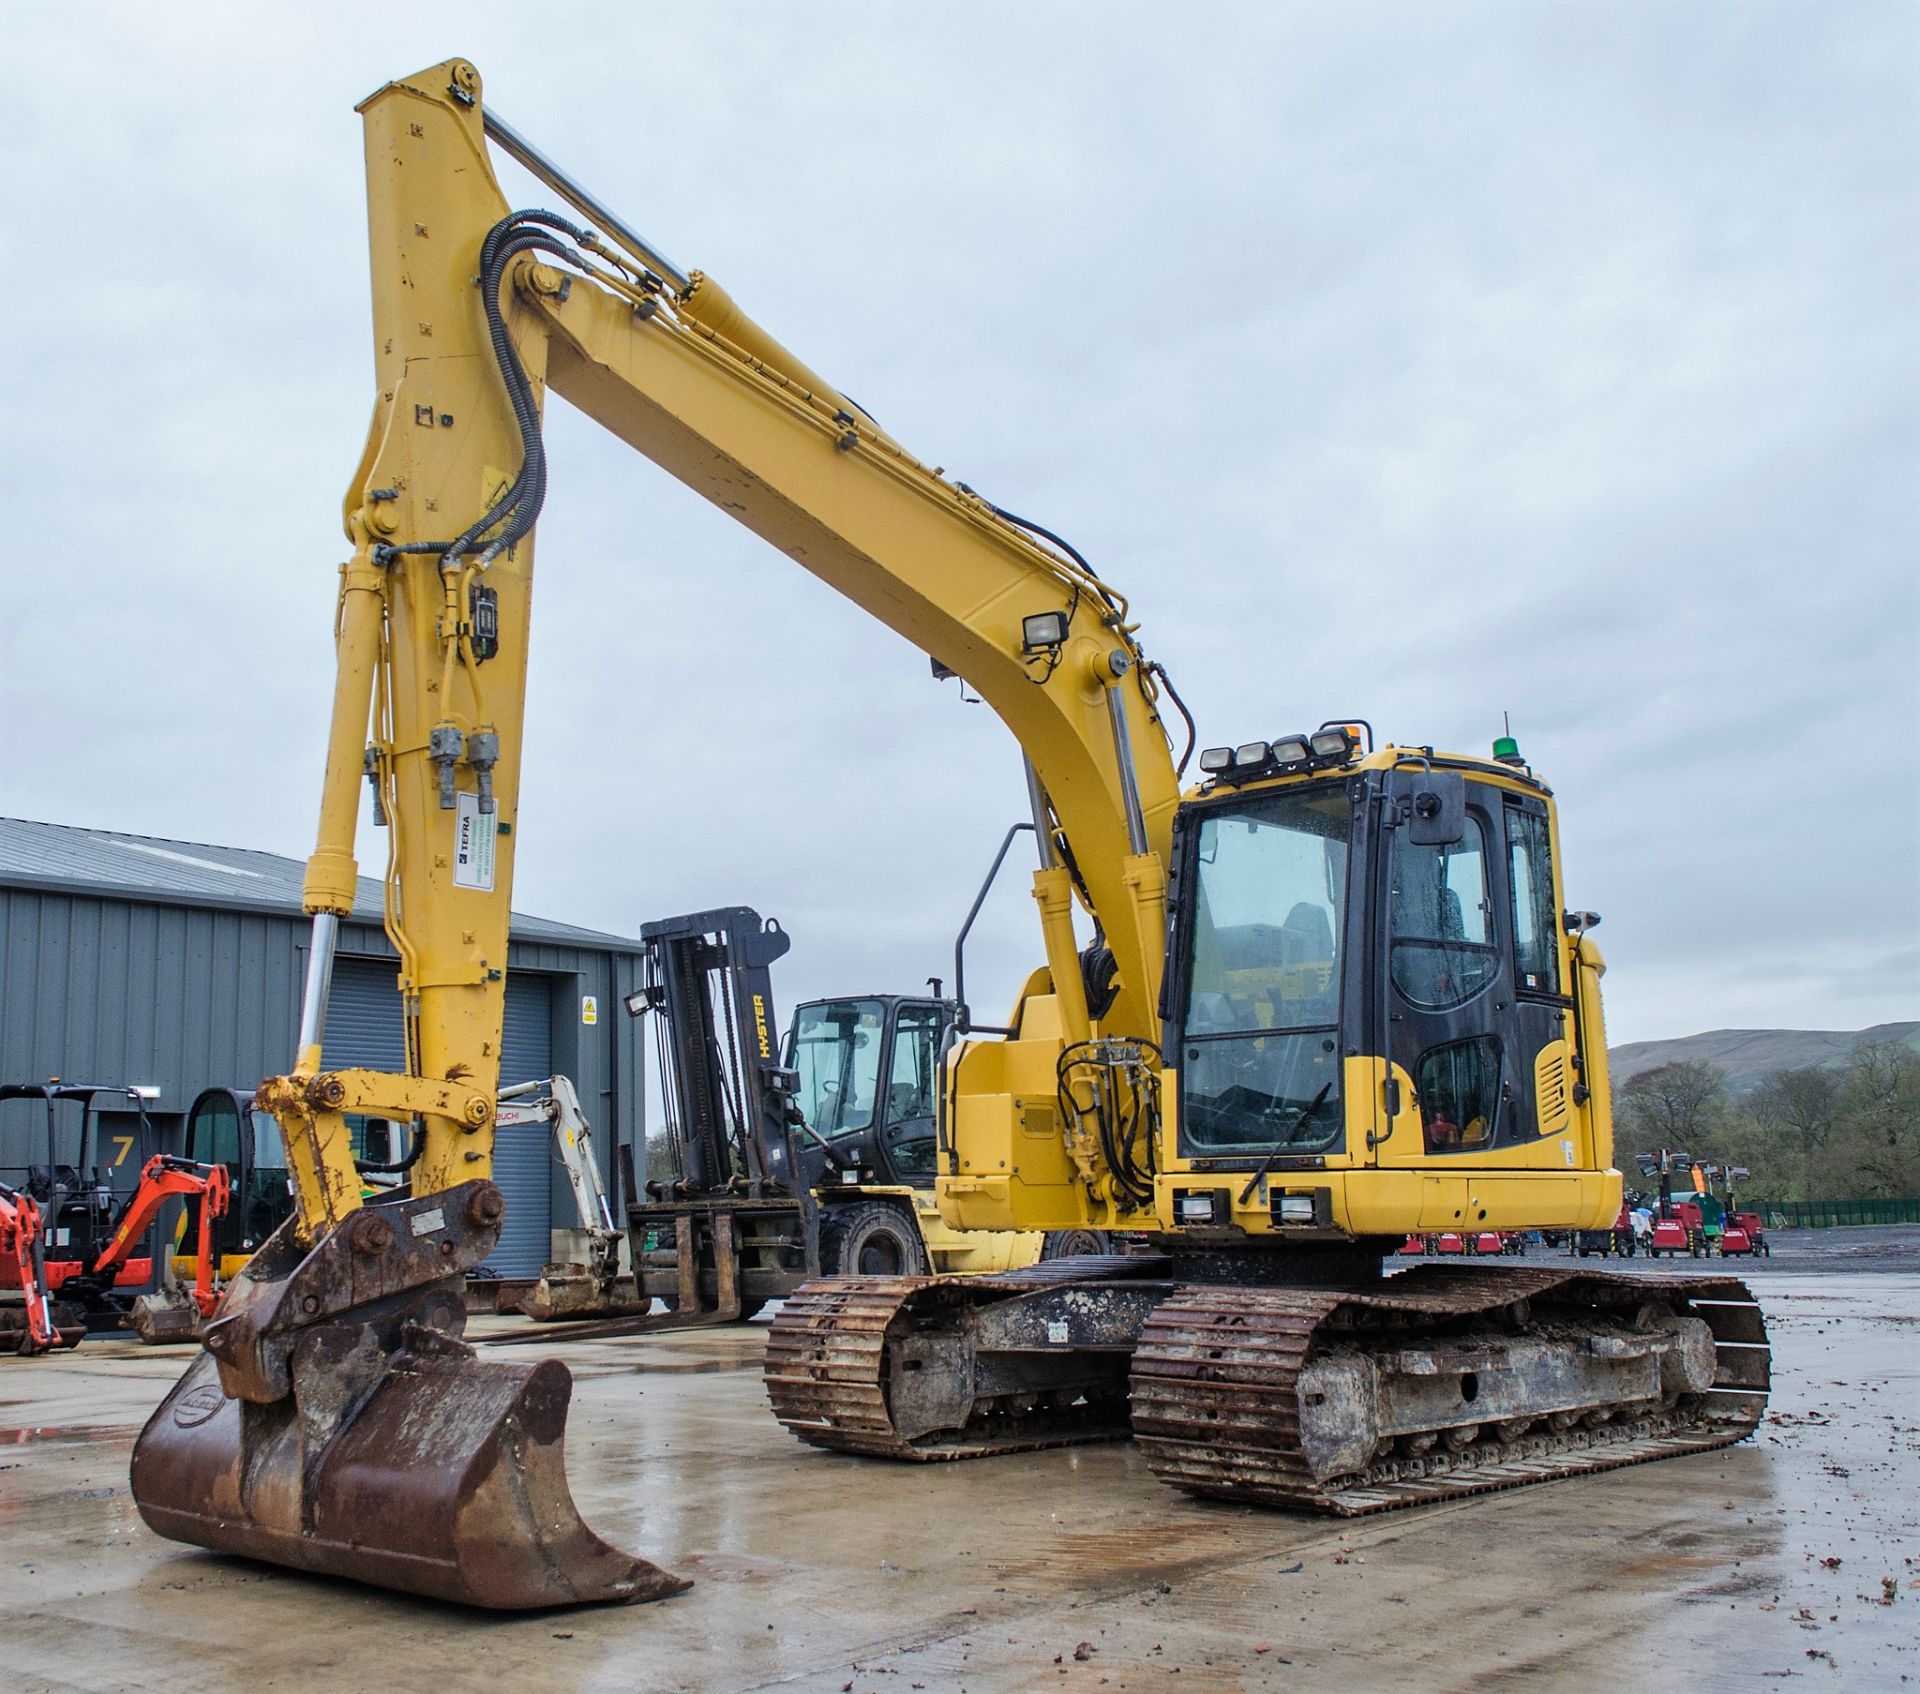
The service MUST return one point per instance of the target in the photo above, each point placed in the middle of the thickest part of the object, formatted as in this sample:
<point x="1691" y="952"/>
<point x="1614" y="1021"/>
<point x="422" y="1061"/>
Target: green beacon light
<point x="1507" y="750"/>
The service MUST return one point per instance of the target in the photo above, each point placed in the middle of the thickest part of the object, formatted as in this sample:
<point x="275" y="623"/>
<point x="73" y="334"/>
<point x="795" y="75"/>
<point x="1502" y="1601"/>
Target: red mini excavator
<point x="23" y="1263"/>
<point x="73" y="1257"/>
<point x="86" y="1286"/>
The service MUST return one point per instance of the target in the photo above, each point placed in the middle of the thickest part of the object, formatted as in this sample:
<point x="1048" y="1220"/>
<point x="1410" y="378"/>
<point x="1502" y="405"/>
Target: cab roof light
<point x="1355" y="728"/>
<point x="1332" y="741"/>
<point x="1250" y="753"/>
<point x="1213" y="760"/>
<point x="1290" y="750"/>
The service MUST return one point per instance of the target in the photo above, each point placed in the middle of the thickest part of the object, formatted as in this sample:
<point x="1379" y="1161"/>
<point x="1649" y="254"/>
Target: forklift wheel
<point x="871" y="1239"/>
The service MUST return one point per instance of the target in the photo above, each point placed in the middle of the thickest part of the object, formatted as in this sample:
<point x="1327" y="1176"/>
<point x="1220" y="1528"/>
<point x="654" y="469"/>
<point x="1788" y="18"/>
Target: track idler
<point x="336" y="1423"/>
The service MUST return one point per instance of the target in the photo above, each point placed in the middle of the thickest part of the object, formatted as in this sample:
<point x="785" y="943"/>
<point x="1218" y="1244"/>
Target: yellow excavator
<point x="1327" y="996"/>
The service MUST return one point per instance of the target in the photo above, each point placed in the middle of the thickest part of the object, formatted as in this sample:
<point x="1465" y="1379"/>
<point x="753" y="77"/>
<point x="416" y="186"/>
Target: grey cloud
<point x="1423" y="362"/>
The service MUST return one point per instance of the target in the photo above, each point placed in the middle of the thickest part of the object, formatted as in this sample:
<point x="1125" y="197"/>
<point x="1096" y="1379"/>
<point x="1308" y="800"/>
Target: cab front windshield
<point x="1260" y="1059"/>
<point x="835" y="1049"/>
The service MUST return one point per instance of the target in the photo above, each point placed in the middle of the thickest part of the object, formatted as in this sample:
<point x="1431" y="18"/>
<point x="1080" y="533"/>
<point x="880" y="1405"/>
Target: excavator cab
<point x="1397" y="906"/>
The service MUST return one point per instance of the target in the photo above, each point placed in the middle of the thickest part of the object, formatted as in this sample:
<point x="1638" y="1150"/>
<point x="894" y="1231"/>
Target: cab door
<point x="215" y="1130"/>
<point x="909" y="1091"/>
<point x="1476" y="1019"/>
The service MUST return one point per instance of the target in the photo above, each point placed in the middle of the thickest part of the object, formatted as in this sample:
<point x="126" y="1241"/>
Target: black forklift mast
<point x="728" y="1104"/>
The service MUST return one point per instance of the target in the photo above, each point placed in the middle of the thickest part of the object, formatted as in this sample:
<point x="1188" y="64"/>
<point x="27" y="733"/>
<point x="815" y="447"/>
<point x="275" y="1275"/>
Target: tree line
<point x="1808" y="1133"/>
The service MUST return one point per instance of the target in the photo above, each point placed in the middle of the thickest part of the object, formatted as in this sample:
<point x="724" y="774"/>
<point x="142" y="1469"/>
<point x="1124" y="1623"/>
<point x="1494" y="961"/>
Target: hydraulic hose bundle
<point x="1114" y="1086"/>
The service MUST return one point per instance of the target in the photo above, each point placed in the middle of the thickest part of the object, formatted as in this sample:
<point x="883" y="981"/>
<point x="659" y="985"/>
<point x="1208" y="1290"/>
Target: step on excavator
<point x="74" y="1254"/>
<point x="1327" y="996"/>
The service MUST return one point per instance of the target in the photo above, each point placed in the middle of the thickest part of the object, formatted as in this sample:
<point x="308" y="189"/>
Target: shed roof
<point x="65" y="859"/>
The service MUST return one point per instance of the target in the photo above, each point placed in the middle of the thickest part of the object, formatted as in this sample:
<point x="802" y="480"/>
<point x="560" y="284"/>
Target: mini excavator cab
<point x="226" y="1127"/>
<point x="82" y="1187"/>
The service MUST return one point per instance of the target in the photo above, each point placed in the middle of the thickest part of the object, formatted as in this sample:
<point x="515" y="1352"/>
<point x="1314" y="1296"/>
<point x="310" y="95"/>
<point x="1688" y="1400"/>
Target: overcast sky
<point x="1420" y="362"/>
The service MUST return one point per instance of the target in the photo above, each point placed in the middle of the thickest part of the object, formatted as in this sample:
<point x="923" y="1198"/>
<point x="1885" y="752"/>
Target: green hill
<point x="1747" y="1055"/>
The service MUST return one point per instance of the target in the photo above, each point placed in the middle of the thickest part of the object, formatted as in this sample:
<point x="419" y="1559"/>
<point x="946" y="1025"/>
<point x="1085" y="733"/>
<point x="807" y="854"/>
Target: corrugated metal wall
<point x="112" y="990"/>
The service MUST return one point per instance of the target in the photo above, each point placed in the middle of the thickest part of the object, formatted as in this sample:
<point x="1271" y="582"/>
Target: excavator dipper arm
<point x="165" y="1178"/>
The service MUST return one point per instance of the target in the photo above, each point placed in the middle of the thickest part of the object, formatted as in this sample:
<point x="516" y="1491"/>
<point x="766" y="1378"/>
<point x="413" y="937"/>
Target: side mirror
<point x="1435" y="805"/>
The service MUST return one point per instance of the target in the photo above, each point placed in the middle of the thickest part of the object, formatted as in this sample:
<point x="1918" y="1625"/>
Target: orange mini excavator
<point x="73" y="1258"/>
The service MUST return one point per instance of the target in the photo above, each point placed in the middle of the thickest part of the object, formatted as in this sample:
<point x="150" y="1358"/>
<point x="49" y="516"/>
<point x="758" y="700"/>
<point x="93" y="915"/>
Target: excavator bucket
<point x="373" y="1444"/>
<point x="167" y="1315"/>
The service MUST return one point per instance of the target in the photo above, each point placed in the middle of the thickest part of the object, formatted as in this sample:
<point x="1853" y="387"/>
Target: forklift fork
<point x="688" y="1313"/>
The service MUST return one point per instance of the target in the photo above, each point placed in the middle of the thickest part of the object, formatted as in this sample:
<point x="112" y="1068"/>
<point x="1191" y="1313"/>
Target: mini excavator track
<point x="1435" y="1383"/>
<point x="1441" y="1382"/>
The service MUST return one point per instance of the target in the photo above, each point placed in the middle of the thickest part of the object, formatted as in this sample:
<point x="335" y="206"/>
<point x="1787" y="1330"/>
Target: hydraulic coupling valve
<point x="447" y="748"/>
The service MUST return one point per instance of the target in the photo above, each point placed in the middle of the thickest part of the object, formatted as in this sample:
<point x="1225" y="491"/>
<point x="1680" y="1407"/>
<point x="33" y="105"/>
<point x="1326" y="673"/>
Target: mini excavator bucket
<point x="336" y="1423"/>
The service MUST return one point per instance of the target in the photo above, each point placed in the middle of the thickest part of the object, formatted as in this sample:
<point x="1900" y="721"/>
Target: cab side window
<point x="916" y="1056"/>
<point x="1443" y="942"/>
<point x="216" y="1135"/>
<point x="1530" y="863"/>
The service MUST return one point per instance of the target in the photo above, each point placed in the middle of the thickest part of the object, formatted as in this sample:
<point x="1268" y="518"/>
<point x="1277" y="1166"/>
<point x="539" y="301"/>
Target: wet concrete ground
<point x="1794" y="1558"/>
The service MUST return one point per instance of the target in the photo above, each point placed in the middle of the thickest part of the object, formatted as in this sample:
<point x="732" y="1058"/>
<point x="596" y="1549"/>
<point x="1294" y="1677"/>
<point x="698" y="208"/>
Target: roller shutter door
<point x="523" y="1158"/>
<point x="363" y="1028"/>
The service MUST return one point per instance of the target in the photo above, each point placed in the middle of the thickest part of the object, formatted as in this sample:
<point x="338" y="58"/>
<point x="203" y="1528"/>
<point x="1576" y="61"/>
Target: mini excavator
<point x="1330" y="995"/>
<point x="73" y="1254"/>
<point x="224" y="1128"/>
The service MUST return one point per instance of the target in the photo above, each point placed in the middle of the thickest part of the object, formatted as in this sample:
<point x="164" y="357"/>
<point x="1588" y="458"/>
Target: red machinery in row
<point x="23" y="1266"/>
<point x="1744" y="1236"/>
<point x="1486" y="1243"/>
<point x="66" y="1233"/>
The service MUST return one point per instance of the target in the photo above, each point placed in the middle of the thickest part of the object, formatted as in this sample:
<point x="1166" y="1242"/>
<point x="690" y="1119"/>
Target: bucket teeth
<point x="431" y="1472"/>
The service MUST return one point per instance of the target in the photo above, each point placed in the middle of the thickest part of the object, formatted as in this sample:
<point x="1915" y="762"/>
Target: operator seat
<point x="1306" y="941"/>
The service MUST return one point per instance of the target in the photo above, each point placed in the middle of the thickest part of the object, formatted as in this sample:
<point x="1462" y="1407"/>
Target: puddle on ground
<point x="680" y="1367"/>
<point x="90" y="1433"/>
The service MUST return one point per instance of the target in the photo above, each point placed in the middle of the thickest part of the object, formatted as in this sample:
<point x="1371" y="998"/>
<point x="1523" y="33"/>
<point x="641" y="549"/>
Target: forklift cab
<point x="869" y="1082"/>
<point x="75" y="1184"/>
<point x="224" y="1127"/>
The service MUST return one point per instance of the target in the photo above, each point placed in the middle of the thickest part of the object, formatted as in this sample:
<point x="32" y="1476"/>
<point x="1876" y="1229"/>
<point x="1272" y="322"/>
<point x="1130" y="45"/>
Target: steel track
<point x="1214" y="1380"/>
<point x="1216" y="1406"/>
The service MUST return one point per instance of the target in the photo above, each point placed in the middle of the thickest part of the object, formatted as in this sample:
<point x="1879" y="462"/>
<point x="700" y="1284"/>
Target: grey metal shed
<point x="177" y="965"/>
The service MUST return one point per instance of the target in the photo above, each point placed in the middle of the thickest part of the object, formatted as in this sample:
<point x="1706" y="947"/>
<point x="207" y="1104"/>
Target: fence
<point x="1829" y="1214"/>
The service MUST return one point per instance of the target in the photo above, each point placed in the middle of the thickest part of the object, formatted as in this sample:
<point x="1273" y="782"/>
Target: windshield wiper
<point x="1285" y="1140"/>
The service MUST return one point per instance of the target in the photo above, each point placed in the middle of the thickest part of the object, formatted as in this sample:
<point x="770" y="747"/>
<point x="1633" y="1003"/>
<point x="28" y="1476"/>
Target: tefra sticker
<point x="472" y="844"/>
